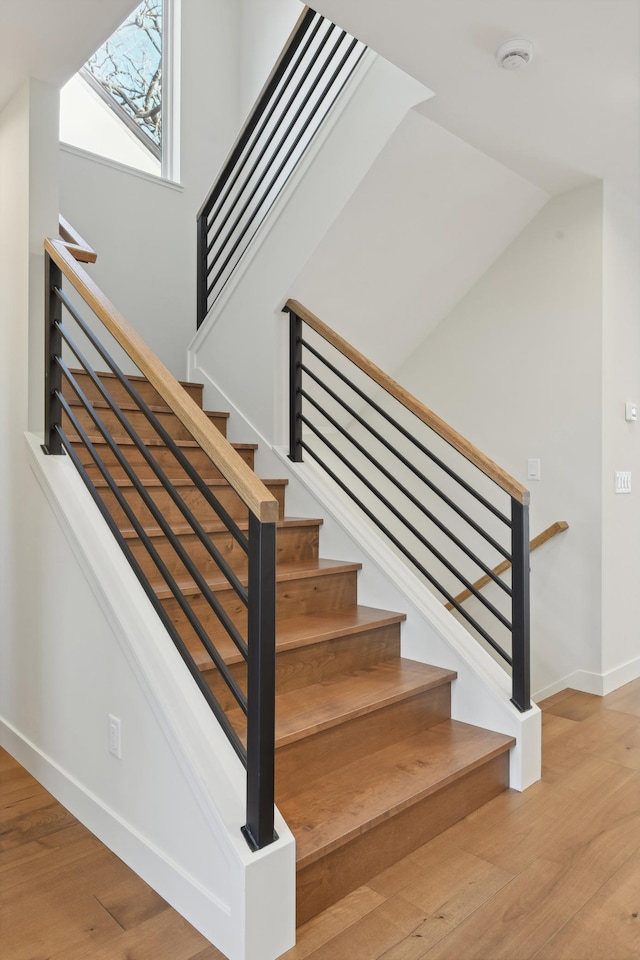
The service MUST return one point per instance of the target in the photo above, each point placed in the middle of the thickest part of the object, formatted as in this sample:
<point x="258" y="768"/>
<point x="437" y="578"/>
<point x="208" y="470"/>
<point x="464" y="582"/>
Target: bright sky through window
<point x="128" y="66"/>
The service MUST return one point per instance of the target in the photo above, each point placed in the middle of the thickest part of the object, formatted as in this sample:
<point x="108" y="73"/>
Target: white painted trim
<point x="121" y="167"/>
<point x="599" y="684"/>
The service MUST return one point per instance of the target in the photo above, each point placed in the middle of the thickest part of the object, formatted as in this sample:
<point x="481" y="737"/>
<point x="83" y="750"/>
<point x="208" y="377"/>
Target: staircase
<point x="369" y="763"/>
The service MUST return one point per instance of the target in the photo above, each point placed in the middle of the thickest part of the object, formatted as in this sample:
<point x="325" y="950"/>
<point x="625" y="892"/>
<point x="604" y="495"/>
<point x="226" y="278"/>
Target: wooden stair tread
<point x="124" y="441"/>
<point x="182" y="482"/>
<point x="73" y="401"/>
<point x="316" y="627"/>
<point x="306" y="631"/>
<point x="284" y="572"/>
<point x="319" y="706"/>
<point x="135" y="377"/>
<point x="212" y="526"/>
<point x="334" y="810"/>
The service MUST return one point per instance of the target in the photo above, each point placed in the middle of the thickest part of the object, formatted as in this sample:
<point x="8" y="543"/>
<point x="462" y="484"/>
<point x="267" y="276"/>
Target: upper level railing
<point x="445" y="507"/>
<point x="107" y="448"/>
<point x="313" y="68"/>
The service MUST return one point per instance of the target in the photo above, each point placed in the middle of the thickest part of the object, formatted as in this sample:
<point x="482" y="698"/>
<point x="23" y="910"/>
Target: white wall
<point x="620" y="440"/>
<point x="516" y="366"/>
<point x="423" y="226"/>
<point x="144" y="229"/>
<point x="265" y="27"/>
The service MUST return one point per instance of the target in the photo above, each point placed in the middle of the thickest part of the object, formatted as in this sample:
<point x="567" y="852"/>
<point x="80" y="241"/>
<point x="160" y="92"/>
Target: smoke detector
<point x="514" y="54"/>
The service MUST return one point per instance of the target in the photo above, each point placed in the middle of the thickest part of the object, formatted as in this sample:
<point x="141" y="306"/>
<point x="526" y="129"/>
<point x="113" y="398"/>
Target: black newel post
<point x="52" y="349"/>
<point x="261" y="683"/>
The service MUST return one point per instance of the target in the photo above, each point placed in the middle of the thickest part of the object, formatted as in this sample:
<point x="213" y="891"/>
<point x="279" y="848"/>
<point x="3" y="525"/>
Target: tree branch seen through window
<point x="129" y="68"/>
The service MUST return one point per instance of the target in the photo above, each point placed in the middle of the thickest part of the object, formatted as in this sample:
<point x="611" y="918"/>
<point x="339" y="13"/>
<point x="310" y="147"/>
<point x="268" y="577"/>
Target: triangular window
<point x="118" y="104"/>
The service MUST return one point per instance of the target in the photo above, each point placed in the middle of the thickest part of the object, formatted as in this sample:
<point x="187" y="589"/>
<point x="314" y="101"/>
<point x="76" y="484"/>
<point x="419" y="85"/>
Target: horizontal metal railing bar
<point x="425" y="450"/>
<point x="170" y="488"/>
<point x="268" y="115"/>
<point x="281" y="166"/>
<point x="407" y="493"/>
<point x="164" y="434"/>
<point x="408" y="526"/>
<point x="156" y="513"/>
<point x="288" y="53"/>
<point x="397" y="543"/>
<point x="410" y="466"/>
<point x="155" y="556"/>
<point x="251" y="490"/>
<point x="164" y="617"/>
<point x="439" y="426"/>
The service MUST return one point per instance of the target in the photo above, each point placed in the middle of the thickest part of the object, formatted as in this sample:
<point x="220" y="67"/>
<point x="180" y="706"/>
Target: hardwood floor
<point x="551" y="874"/>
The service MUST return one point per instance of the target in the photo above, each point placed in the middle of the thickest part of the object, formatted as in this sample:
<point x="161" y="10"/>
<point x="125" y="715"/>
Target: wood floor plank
<point x="333" y="921"/>
<point x="607" y="926"/>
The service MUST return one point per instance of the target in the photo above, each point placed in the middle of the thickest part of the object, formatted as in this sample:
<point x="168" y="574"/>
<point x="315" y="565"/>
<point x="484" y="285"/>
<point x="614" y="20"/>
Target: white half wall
<point x="89" y="645"/>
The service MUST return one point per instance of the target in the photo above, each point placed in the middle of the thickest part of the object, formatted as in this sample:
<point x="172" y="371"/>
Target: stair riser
<point x="139" y="423"/>
<point x="294" y="544"/>
<point x="296" y="668"/>
<point x="148" y="393"/>
<point x="325" y="881"/>
<point x="191" y="497"/>
<point x="320" y="754"/>
<point x="167" y="462"/>
<point x="293" y="597"/>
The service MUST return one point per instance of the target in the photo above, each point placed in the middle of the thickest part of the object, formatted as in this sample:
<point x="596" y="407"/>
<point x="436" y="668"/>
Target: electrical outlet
<point x="115" y="737"/>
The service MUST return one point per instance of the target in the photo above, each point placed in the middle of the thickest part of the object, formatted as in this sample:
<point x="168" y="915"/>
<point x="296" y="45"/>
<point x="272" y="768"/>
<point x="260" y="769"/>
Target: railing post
<point x="520" y="652"/>
<point x="52" y="349"/>
<point x="201" y="270"/>
<point x="295" y="387"/>
<point x="261" y="684"/>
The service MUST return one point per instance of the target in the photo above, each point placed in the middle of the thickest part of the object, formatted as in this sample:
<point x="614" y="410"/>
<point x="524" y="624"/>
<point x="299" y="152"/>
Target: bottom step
<point x="372" y="812"/>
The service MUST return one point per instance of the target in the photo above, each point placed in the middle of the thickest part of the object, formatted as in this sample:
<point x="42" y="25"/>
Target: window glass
<point x="117" y="105"/>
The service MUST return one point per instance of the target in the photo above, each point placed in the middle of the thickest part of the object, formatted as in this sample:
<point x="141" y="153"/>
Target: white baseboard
<point x="171" y="882"/>
<point x="599" y="684"/>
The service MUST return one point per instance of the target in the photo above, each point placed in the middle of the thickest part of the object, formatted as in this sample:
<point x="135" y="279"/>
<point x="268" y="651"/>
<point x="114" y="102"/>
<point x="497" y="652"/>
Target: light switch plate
<point x="623" y="481"/>
<point x="533" y="469"/>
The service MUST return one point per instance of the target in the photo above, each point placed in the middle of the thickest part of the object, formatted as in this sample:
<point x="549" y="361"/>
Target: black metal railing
<point x="80" y="411"/>
<point x="311" y="72"/>
<point x="445" y="508"/>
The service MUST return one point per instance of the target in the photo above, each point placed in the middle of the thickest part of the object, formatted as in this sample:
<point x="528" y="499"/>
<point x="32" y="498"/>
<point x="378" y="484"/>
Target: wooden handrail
<point x="75" y="244"/>
<point x="233" y="468"/>
<point x="439" y="426"/>
<point x="547" y="534"/>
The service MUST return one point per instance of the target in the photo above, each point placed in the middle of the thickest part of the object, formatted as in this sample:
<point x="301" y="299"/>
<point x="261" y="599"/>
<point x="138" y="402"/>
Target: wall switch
<point x="533" y="469"/>
<point x="623" y="481"/>
<point x="115" y="737"/>
<point x="631" y="411"/>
